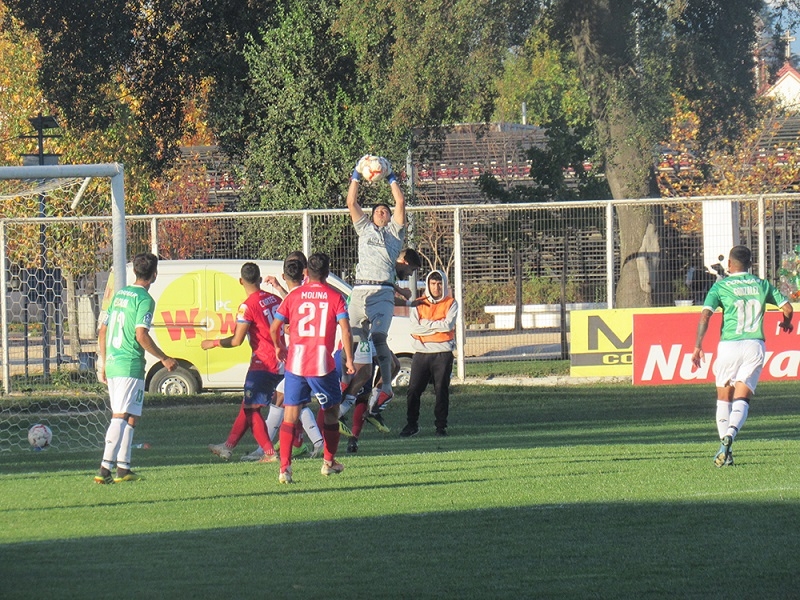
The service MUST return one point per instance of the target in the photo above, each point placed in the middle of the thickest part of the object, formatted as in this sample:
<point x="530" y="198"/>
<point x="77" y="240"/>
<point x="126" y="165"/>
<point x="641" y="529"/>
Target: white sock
<point x="273" y="420"/>
<point x="346" y="404"/>
<point x="124" y="455"/>
<point x="310" y="425"/>
<point x="739" y="410"/>
<point x="723" y="417"/>
<point x="113" y="437"/>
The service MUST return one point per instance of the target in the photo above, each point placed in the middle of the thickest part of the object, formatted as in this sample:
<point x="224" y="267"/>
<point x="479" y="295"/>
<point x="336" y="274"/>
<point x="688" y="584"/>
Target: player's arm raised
<point x="399" y="213"/>
<point x="353" y="206"/>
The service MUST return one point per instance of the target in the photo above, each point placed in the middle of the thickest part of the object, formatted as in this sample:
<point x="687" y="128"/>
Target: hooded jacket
<point x="433" y="322"/>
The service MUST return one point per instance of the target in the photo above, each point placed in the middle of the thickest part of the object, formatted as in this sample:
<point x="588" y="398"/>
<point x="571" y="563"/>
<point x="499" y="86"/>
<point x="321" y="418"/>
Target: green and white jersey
<point x="743" y="299"/>
<point x="131" y="307"/>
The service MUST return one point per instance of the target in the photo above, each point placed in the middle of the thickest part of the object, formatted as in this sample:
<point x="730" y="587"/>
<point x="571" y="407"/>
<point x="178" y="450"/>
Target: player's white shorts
<point x="126" y="395"/>
<point x="364" y="353"/>
<point x="739" y="360"/>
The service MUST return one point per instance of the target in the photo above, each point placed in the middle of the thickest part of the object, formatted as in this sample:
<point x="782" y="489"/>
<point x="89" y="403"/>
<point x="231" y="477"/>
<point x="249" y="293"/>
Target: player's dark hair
<point x="742" y="255"/>
<point x="319" y="266"/>
<point x="389" y="208"/>
<point x="251" y="273"/>
<point x="297" y="255"/>
<point x="145" y="265"/>
<point x="435" y="276"/>
<point x="293" y="269"/>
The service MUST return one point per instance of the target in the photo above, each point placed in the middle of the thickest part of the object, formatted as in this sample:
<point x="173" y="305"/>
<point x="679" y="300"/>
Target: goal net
<point x="62" y="228"/>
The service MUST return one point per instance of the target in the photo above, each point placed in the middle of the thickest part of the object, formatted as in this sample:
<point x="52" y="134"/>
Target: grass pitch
<point x="569" y="492"/>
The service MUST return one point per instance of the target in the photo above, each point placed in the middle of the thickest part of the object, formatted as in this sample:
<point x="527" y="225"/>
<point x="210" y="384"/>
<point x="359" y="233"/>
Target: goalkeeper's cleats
<point x="378" y="400"/>
<point x="331" y="467"/>
<point x="221" y="450"/>
<point x="724" y="452"/>
<point x="285" y="476"/>
<point x="104" y="477"/>
<point x="376" y="420"/>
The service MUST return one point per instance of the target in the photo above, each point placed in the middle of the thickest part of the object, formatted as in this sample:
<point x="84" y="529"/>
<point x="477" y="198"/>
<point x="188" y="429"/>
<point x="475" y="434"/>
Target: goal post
<point x="116" y="173"/>
<point x="47" y="308"/>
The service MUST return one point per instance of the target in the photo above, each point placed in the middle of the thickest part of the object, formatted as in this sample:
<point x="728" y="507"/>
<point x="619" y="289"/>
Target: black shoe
<point x="441" y="432"/>
<point x="409" y="431"/>
<point x="352" y="445"/>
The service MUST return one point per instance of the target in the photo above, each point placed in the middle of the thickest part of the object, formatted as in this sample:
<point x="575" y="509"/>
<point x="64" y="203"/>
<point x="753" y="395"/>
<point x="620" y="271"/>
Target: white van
<point x="198" y="299"/>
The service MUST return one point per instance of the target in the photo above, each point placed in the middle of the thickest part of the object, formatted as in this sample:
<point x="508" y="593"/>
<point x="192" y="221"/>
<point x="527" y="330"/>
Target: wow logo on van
<point x="196" y="306"/>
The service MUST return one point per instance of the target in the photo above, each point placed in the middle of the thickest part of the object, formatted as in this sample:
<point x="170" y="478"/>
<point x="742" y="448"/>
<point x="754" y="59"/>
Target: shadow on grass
<point x="637" y="550"/>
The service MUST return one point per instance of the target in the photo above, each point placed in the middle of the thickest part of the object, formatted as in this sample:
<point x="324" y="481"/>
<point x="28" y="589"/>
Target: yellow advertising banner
<point x="601" y="341"/>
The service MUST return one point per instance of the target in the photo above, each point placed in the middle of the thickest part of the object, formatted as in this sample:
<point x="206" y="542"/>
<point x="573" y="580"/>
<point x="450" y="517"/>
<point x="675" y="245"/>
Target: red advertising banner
<point x="663" y="346"/>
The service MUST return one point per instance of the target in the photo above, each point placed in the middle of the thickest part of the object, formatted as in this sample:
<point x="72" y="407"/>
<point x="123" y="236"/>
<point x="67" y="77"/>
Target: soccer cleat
<point x="409" y="431"/>
<point x="441" y="432"/>
<point x="724" y="451"/>
<point x="299" y="451"/>
<point x="380" y="402"/>
<point x="129" y="476"/>
<point x="316" y="451"/>
<point x="344" y="429"/>
<point x="377" y="422"/>
<point x="331" y="467"/>
<point x="268" y="458"/>
<point x="729" y="460"/>
<point x="352" y="445"/>
<point x="103" y="479"/>
<point x="255" y="456"/>
<point x="285" y="476"/>
<point x="221" y="450"/>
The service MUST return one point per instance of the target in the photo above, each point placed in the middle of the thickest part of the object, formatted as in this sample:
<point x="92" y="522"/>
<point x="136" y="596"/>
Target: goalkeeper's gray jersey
<point x="378" y="249"/>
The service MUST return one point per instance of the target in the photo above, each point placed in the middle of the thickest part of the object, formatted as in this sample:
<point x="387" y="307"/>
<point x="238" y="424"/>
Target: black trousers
<point x="426" y="367"/>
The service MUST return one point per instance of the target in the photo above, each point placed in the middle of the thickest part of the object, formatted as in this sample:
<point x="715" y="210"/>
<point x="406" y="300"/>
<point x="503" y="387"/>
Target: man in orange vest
<point x="433" y="327"/>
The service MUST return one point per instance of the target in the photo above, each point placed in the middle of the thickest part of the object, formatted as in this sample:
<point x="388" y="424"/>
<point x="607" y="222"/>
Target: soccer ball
<point x="374" y="168"/>
<point x="40" y="436"/>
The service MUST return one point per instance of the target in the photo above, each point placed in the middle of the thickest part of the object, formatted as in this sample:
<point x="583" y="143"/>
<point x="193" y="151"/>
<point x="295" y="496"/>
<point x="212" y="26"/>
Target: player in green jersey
<point x="123" y="338"/>
<point x="743" y="299"/>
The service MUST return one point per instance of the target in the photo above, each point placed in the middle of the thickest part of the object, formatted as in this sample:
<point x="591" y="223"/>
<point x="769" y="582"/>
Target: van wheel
<point x="404" y="375"/>
<point x="180" y="382"/>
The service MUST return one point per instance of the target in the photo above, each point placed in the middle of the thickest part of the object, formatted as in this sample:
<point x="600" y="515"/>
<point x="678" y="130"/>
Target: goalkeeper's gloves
<point x="392" y="176"/>
<point x="356" y="176"/>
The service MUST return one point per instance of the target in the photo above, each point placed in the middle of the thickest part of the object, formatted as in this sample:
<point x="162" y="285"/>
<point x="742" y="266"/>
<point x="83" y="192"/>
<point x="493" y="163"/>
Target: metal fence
<point x="516" y="270"/>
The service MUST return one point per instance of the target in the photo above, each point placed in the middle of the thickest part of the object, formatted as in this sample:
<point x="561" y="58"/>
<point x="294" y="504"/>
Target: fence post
<point x="762" y="238"/>
<point x="154" y="235"/>
<point x="306" y="233"/>
<point x="610" y="254"/>
<point x="459" y="293"/>
<point x="4" y="308"/>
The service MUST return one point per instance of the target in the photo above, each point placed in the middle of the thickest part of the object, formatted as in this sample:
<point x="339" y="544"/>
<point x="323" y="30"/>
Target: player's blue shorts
<point x="259" y="387"/>
<point x="297" y="390"/>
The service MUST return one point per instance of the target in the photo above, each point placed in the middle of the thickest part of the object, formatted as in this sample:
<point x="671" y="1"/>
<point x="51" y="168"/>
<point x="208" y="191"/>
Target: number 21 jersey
<point x="312" y="312"/>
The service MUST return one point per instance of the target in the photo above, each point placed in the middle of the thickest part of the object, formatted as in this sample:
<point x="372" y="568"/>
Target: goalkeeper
<point x="380" y="241"/>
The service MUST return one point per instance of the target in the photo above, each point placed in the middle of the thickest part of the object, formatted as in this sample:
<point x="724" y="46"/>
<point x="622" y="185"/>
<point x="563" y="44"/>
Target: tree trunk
<point x="599" y="39"/>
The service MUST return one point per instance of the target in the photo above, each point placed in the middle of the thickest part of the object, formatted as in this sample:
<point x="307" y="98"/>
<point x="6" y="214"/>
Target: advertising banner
<point x="601" y="341"/>
<point x="663" y="346"/>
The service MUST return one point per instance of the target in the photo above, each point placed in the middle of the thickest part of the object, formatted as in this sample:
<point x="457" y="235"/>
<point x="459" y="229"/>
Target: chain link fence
<point x="516" y="270"/>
